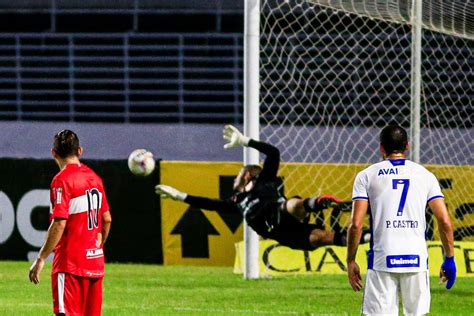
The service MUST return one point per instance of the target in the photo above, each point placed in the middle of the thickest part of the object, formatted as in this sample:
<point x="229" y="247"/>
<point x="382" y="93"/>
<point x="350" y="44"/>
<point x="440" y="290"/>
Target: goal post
<point x="251" y="119"/>
<point x="332" y="73"/>
<point x="415" y="110"/>
<point x="452" y="17"/>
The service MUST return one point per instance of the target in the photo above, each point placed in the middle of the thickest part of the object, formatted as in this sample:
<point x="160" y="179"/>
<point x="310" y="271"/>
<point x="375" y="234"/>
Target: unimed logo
<point x="403" y="261"/>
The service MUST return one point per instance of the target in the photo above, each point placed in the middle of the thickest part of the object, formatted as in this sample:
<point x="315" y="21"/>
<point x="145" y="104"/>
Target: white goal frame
<point x="252" y="105"/>
<point x="251" y="118"/>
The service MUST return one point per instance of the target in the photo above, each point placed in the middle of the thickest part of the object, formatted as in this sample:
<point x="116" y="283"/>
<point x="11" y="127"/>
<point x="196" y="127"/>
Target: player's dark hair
<point x="394" y="139"/>
<point x="66" y="144"/>
<point x="253" y="169"/>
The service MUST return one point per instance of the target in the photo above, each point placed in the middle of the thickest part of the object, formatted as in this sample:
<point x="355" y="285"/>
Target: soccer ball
<point x="141" y="162"/>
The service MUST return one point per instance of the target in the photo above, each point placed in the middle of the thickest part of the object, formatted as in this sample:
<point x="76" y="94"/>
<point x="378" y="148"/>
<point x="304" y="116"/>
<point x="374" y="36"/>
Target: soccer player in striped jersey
<point x="80" y="223"/>
<point x="258" y="198"/>
<point x="395" y="192"/>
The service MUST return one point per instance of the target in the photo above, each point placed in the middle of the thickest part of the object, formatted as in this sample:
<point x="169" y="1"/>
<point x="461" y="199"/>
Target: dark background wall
<point x="24" y="209"/>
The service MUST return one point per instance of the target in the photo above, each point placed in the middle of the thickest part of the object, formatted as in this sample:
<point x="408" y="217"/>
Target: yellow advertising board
<point x="201" y="237"/>
<point x="275" y="259"/>
<point x="192" y="236"/>
<point x="457" y="184"/>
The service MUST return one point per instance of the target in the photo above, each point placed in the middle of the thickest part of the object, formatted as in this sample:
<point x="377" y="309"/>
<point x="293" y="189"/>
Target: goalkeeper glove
<point x="165" y="191"/>
<point x="448" y="271"/>
<point x="234" y="137"/>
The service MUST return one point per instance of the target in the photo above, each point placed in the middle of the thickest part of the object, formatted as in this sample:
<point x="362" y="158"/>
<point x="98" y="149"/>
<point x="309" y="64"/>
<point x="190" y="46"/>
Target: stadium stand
<point x="117" y="62"/>
<point x="143" y="61"/>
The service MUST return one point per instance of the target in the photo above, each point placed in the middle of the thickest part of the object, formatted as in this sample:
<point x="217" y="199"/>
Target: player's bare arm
<point x="359" y="209"/>
<point x="445" y="226"/>
<point x="448" y="268"/>
<point x="55" y="231"/>
<point x="106" y="223"/>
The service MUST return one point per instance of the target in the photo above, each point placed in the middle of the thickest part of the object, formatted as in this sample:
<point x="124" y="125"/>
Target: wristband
<point x="244" y="140"/>
<point x="181" y="196"/>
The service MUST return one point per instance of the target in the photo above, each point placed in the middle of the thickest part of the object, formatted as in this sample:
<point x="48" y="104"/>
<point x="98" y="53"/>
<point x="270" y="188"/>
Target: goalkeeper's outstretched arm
<point x="272" y="161"/>
<point x="204" y="203"/>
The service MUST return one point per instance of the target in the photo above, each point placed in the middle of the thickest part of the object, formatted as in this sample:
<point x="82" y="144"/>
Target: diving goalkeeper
<point x="257" y="197"/>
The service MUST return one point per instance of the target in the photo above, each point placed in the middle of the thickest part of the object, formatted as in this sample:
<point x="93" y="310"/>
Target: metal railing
<point x="129" y="15"/>
<point x="134" y="76"/>
<point x="139" y="77"/>
<point x="125" y="77"/>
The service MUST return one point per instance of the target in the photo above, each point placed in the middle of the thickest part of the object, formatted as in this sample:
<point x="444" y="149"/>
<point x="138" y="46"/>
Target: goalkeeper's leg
<point x="299" y="234"/>
<point x="301" y="208"/>
<point x="309" y="238"/>
<point x="337" y="236"/>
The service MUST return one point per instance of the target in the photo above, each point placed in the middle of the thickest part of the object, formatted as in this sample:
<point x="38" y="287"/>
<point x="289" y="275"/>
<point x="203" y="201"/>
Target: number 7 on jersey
<point x="406" y="184"/>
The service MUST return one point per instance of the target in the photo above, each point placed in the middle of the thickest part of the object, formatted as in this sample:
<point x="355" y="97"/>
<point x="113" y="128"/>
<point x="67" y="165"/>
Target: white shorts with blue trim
<point x="381" y="293"/>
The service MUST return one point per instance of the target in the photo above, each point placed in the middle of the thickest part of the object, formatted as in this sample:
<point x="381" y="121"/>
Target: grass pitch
<point x="132" y="289"/>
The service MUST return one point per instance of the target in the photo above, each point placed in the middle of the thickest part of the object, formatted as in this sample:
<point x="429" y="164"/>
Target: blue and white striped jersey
<point x="397" y="191"/>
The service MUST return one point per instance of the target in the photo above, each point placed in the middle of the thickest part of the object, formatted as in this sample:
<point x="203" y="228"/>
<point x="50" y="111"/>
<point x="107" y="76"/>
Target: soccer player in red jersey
<point x="80" y="223"/>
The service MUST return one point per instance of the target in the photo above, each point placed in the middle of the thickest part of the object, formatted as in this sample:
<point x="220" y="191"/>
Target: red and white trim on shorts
<point x="61" y="283"/>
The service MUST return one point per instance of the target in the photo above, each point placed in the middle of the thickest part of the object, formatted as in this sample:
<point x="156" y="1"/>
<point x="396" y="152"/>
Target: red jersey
<point x="77" y="195"/>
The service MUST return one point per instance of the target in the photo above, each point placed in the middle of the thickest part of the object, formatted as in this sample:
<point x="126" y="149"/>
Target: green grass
<point x="132" y="289"/>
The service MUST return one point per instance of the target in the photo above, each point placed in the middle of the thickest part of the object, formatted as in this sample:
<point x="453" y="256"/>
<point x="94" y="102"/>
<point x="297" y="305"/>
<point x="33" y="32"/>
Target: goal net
<point x="332" y="73"/>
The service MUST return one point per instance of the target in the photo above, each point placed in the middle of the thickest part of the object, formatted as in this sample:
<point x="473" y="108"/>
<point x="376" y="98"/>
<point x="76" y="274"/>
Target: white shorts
<point x="382" y="288"/>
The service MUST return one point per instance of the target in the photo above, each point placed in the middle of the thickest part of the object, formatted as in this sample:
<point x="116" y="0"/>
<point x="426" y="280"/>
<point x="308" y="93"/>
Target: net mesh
<point x="454" y="17"/>
<point x="330" y="79"/>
